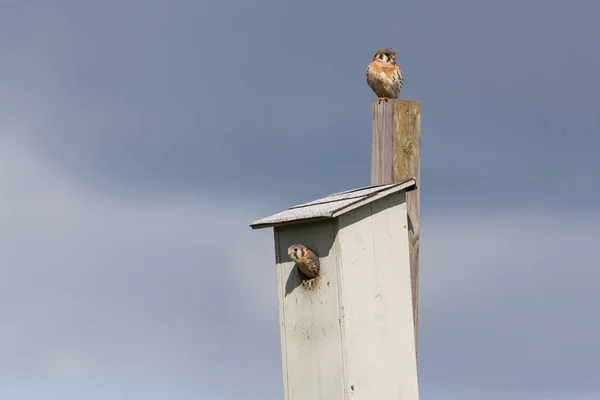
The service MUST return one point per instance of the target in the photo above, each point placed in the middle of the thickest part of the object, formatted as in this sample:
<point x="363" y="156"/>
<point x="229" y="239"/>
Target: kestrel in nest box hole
<point x="307" y="261"/>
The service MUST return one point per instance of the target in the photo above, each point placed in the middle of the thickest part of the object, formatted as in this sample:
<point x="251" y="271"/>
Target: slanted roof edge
<point x="408" y="184"/>
<point x="374" y="197"/>
<point x="296" y="221"/>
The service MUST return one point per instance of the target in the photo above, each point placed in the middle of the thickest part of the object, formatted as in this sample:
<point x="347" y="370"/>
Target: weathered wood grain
<point x="395" y="156"/>
<point x="382" y="153"/>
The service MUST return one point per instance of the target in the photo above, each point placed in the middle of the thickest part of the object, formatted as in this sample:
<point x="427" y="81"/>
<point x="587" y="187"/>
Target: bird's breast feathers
<point x="382" y="70"/>
<point x="384" y="79"/>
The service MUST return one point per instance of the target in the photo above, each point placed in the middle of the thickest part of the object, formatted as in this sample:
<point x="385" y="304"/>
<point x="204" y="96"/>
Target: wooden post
<point x="395" y="156"/>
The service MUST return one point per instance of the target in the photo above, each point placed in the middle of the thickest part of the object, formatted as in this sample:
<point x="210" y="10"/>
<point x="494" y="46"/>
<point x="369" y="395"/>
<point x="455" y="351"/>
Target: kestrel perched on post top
<point x="307" y="261"/>
<point x="384" y="76"/>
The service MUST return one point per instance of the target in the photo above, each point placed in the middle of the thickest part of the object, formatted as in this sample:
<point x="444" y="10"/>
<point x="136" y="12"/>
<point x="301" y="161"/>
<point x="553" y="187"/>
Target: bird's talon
<point x="309" y="283"/>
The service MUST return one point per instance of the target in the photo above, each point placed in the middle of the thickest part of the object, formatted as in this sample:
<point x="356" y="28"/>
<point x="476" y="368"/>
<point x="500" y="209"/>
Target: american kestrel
<point x="307" y="261"/>
<point x="384" y="76"/>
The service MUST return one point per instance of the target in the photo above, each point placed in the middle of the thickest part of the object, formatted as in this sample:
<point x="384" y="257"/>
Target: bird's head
<point x="296" y="252"/>
<point x="386" y="55"/>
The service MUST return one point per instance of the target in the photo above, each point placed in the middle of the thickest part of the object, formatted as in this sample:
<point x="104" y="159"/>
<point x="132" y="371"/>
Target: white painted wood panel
<point x="352" y="336"/>
<point x="378" y="331"/>
<point x="309" y="319"/>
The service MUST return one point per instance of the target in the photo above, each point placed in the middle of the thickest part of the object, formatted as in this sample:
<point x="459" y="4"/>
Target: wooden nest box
<point x="351" y="335"/>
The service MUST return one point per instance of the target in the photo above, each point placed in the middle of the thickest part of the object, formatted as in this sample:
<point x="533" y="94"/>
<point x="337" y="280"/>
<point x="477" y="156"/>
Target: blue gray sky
<point x="138" y="139"/>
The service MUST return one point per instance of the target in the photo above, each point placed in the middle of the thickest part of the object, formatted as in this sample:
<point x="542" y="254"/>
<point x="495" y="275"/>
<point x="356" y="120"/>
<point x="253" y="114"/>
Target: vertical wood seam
<point x="341" y="319"/>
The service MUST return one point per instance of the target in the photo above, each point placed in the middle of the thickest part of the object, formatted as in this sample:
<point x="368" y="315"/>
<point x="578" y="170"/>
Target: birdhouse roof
<point x="333" y="205"/>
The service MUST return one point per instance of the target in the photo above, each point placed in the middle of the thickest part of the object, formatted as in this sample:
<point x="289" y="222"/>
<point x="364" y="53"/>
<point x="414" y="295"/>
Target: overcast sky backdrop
<point x="138" y="139"/>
